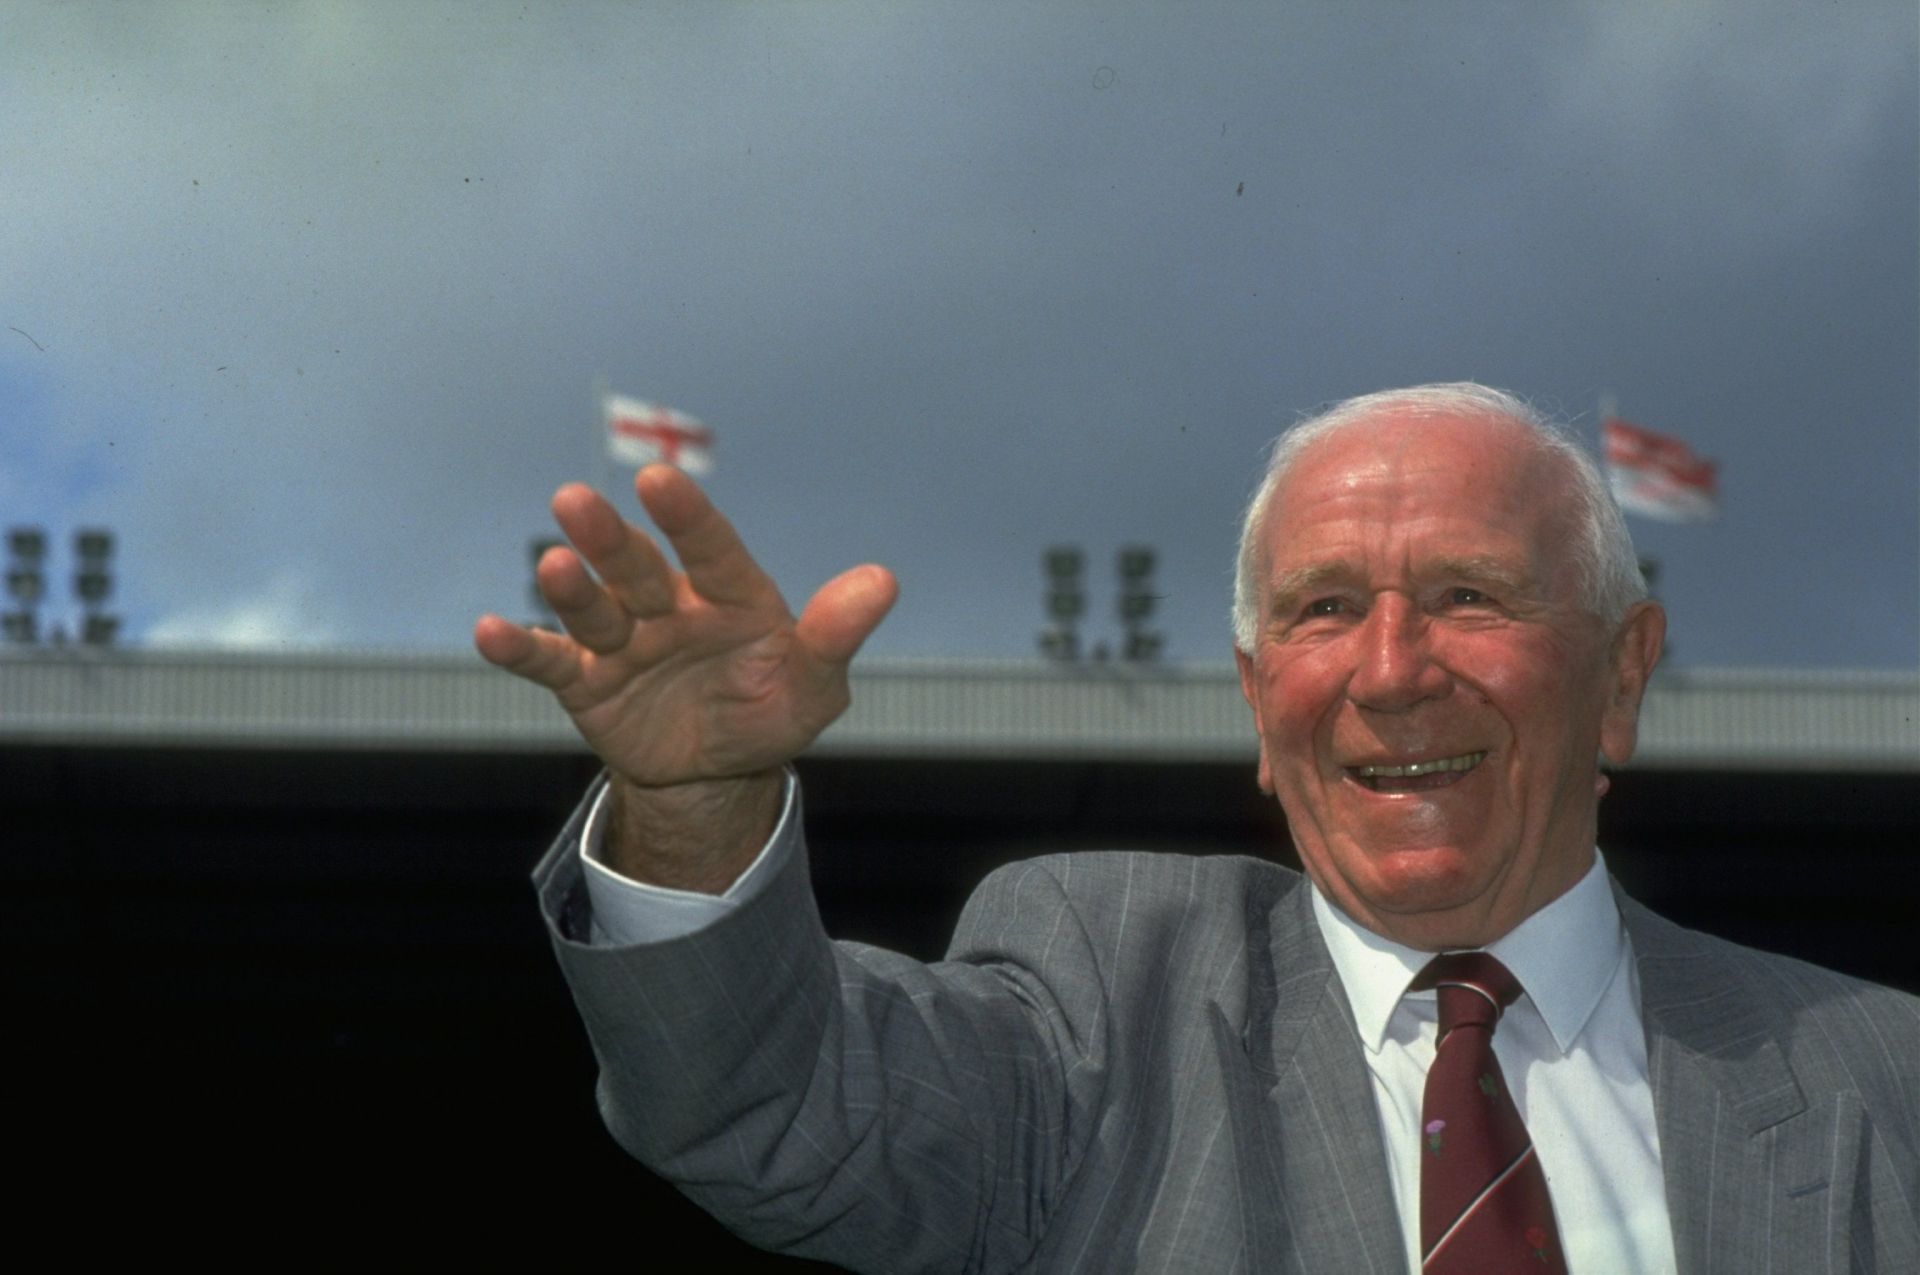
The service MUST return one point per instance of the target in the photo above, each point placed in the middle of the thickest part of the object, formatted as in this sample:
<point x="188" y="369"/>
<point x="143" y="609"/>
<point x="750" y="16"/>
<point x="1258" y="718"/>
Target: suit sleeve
<point x="844" y="1103"/>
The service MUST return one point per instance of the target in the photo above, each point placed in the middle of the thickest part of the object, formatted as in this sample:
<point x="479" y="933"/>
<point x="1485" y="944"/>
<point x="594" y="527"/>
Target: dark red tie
<point x="1484" y="1207"/>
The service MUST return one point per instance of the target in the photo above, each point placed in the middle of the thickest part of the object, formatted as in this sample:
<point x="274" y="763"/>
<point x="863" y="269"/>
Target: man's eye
<point x="1325" y="606"/>
<point x="1465" y="597"/>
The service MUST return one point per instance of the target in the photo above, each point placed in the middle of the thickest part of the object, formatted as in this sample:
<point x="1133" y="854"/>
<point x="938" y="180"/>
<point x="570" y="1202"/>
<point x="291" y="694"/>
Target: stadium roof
<point x="1693" y="719"/>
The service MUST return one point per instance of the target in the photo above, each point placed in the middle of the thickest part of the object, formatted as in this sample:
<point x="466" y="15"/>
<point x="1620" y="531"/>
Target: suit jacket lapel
<point x="1313" y="1174"/>
<point x="1758" y="1177"/>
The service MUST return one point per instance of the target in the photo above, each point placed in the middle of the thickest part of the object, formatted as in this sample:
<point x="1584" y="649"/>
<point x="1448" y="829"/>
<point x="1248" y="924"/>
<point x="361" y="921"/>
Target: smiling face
<point x="1431" y="692"/>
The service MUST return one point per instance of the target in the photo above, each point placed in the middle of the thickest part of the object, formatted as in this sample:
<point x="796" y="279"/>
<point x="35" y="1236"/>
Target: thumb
<point x="846" y="611"/>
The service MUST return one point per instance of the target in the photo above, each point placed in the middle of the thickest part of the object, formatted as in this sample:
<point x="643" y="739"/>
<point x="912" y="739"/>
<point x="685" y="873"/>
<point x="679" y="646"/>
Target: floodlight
<point x="25" y="585"/>
<point x="27" y="544"/>
<point x="1060" y="643"/>
<point x="1136" y="589"/>
<point x="1136" y="562"/>
<point x="93" y="545"/>
<point x="537" y="549"/>
<point x="92" y="585"/>
<point x="1065" y="602"/>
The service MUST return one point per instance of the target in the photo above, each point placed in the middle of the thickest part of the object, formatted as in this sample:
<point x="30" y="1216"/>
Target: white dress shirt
<point x="1572" y="1048"/>
<point x="626" y="912"/>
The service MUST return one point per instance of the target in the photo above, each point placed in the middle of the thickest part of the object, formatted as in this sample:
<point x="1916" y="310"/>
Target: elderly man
<point x="1137" y="1062"/>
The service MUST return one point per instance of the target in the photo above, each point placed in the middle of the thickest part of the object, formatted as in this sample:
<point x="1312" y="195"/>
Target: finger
<point x="718" y="565"/>
<point x="846" y="611"/>
<point x="625" y="557"/>
<point x="587" y="611"/>
<point x="541" y="657"/>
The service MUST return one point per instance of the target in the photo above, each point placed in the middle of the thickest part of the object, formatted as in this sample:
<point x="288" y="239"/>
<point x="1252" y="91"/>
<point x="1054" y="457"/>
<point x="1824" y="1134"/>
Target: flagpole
<point x="600" y="460"/>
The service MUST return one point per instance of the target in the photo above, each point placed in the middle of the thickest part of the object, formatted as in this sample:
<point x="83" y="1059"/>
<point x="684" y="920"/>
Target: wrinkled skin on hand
<point x="692" y="684"/>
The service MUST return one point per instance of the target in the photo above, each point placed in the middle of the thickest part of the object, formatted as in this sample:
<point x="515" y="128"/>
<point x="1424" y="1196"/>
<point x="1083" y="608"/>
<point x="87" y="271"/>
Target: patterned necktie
<point x="1484" y="1206"/>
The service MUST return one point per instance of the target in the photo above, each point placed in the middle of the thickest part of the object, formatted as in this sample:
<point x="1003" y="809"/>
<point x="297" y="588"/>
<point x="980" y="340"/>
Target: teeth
<point x="1466" y="761"/>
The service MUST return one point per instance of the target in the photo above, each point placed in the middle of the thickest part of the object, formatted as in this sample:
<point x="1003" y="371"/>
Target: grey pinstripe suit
<point x="1146" y="1063"/>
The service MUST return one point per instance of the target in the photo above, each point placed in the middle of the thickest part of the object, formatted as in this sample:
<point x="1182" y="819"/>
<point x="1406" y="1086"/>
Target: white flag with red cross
<point x="1658" y="476"/>
<point x="639" y="433"/>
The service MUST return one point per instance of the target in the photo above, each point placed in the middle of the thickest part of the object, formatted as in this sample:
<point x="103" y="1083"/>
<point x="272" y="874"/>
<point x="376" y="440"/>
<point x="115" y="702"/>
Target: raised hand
<point x="684" y="677"/>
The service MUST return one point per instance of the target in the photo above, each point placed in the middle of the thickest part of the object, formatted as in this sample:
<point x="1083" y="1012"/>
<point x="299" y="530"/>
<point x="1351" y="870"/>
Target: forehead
<point x="1446" y="484"/>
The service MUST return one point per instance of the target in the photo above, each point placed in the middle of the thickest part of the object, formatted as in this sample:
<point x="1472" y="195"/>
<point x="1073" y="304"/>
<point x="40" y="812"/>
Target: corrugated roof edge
<point x="1766" y="719"/>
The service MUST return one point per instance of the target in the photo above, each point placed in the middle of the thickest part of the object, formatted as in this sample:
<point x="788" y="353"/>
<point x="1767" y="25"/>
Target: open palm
<point x="676" y="676"/>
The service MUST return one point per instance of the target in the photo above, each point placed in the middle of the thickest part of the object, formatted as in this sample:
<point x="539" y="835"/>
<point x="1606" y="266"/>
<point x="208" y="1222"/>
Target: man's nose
<point x="1395" y="667"/>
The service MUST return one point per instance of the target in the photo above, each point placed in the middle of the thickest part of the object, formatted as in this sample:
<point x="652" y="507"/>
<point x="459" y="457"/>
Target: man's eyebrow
<point x="1481" y="569"/>
<point x="1497" y="573"/>
<point x="1291" y="583"/>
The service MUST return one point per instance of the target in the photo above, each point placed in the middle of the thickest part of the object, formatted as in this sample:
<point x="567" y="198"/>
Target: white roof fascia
<point x="1693" y="719"/>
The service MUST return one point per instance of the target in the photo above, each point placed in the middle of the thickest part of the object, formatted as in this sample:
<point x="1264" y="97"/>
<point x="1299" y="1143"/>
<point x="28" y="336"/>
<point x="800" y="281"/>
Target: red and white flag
<point x="640" y="433"/>
<point x="1658" y="476"/>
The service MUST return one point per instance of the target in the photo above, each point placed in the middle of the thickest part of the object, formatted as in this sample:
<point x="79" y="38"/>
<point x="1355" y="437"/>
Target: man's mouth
<point x="1417" y="776"/>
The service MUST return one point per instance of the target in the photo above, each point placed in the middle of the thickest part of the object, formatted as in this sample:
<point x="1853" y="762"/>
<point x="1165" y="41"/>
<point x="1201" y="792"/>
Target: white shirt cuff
<point x="627" y="912"/>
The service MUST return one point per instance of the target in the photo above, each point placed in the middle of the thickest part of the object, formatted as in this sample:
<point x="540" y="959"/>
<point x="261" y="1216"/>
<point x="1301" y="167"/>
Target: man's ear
<point x="1250" y="688"/>
<point x="1635" y="652"/>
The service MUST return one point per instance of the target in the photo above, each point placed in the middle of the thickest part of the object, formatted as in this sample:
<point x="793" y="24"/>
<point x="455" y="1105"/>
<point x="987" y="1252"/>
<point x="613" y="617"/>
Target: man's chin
<point x="1425" y="898"/>
<point x="1421" y="878"/>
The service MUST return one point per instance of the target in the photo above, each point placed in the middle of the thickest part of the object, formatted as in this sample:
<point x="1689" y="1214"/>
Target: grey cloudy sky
<point x="307" y="301"/>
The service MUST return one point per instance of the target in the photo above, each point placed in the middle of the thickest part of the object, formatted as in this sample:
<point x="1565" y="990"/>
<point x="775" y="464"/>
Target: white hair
<point x="1603" y="554"/>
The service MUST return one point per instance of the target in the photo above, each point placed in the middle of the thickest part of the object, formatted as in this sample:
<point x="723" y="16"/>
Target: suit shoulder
<point x="1863" y="1029"/>
<point x="1097" y="882"/>
<point x="1846" y="1007"/>
<point x="1127" y="905"/>
<point x="1790" y="979"/>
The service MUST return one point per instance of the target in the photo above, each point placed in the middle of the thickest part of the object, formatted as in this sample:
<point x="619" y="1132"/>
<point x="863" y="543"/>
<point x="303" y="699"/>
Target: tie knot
<point x="1472" y="987"/>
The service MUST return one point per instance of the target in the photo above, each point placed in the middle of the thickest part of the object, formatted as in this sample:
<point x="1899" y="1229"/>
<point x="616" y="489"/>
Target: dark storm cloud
<point x="323" y="289"/>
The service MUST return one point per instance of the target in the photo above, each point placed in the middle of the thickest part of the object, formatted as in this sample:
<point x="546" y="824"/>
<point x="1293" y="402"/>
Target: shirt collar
<point x="1564" y="955"/>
